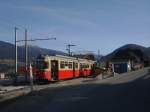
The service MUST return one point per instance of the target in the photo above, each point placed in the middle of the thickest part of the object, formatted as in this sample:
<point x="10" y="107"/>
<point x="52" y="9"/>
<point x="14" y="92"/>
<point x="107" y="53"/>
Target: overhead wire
<point x="59" y="42"/>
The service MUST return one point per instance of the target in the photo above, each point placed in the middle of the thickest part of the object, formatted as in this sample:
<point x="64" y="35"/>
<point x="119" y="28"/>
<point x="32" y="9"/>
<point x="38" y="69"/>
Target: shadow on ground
<point x="125" y="97"/>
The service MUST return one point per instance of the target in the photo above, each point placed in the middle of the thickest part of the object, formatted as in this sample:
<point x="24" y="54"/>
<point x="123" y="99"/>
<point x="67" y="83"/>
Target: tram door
<point x="81" y="69"/>
<point x="54" y="69"/>
<point x="74" y="73"/>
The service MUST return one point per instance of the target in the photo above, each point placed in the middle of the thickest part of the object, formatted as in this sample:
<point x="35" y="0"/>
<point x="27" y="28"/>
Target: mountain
<point x="148" y="51"/>
<point x="7" y="51"/>
<point x="129" y="51"/>
<point x="86" y="56"/>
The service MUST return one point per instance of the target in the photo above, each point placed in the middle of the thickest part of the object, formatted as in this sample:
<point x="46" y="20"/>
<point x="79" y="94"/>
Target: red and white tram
<point x="62" y="67"/>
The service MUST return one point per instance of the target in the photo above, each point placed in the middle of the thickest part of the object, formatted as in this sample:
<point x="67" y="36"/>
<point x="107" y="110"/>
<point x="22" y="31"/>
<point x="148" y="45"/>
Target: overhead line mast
<point x="26" y="50"/>
<point x="16" y="54"/>
<point x="69" y="48"/>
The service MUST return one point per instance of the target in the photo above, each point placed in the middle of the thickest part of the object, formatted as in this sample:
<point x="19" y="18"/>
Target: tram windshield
<point x="40" y="64"/>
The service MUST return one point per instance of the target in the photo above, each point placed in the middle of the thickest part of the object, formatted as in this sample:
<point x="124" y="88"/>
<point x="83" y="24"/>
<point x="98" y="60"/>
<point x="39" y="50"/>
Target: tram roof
<point x="67" y="57"/>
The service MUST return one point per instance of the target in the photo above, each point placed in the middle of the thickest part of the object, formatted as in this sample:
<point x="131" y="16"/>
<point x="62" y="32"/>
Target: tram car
<point x="53" y="68"/>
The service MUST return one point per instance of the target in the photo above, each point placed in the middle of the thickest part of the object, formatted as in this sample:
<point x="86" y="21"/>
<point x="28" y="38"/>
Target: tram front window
<point x="42" y="65"/>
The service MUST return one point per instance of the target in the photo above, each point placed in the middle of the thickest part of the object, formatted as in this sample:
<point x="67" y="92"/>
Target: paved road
<point x="125" y="93"/>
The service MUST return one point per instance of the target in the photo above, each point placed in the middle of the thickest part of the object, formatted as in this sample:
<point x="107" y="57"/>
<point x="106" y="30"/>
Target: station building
<point x="121" y="65"/>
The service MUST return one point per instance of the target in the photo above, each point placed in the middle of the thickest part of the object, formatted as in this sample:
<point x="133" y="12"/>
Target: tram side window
<point x="66" y="63"/>
<point x="84" y="65"/>
<point x="81" y="66"/>
<point x="76" y="65"/>
<point x="62" y="64"/>
<point x="70" y="65"/>
<point x="42" y="65"/>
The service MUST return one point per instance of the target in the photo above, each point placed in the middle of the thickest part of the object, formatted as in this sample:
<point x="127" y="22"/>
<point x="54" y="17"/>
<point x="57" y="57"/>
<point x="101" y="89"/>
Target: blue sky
<point x="90" y="24"/>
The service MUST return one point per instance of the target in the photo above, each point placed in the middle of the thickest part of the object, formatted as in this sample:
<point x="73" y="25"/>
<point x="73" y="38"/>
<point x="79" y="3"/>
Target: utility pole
<point x="26" y="56"/>
<point x="69" y="48"/>
<point x="16" y="55"/>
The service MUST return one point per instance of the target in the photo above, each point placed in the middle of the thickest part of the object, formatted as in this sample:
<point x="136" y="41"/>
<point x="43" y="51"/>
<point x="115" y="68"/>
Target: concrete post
<point x="31" y="78"/>
<point x="16" y="56"/>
